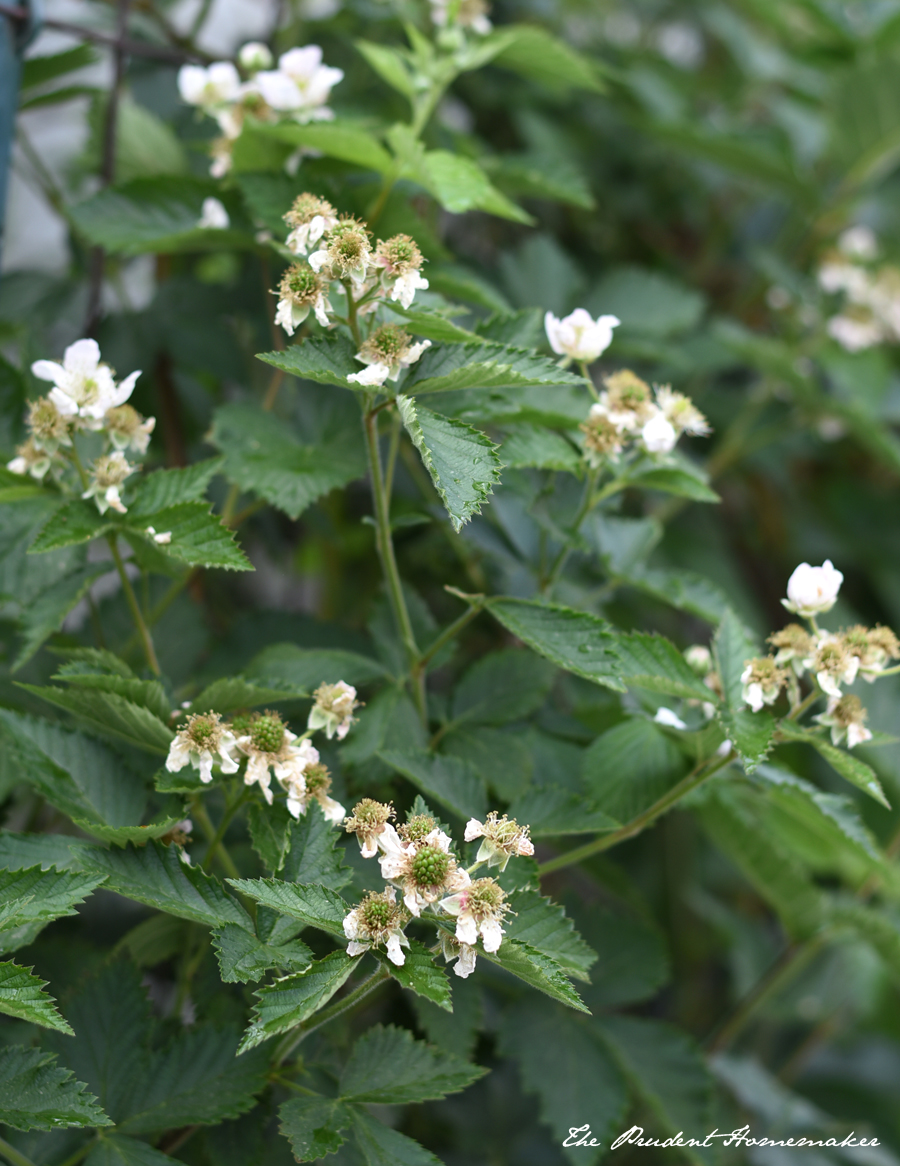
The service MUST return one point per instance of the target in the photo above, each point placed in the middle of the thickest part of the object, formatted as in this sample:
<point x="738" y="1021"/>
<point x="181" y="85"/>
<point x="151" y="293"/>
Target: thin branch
<point x="107" y="163"/>
<point x="133" y="48"/>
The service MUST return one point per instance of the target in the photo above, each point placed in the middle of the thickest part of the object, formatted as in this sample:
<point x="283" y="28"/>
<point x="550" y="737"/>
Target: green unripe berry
<point x="430" y="866"/>
<point x="376" y="914"/>
<point x="267" y="733"/>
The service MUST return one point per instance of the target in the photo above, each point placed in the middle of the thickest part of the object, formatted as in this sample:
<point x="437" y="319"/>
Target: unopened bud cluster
<point x="417" y="860"/>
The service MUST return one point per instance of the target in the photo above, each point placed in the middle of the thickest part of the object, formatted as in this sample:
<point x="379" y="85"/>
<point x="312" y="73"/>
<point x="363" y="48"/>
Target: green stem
<point x="290" y="1042"/>
<point x="592" y="388"/>
<point x="385" y="546"/>
<point x="786" y="967"/>
<point x="198" y="811"/>
<point x="11" y="1154"/>
<point x="231" y="809"/>
<point x="796" y="713"/>
<point x="393" y="448"/>
<point x="134" y="607"/>
<point x="589" y="500"/>
<point x="696" y="777"/>
<point x="449" y="633"/>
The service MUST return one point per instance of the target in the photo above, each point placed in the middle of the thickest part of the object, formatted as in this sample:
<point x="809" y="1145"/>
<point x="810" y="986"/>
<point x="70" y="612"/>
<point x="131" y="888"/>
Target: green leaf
<point x="39" y="70"/>
<point x="155" y="214"/>
<point x="538" y="970"/>
<point x="535" y="175"/>
<point x="262" y="456"/>
<point x="314" y="854"/>
<point x="336" y="139"/>
<point x="307" y="668"/>
<point x="631" y="766"/>
<point x="38" y="896"/>
<point x="117" y="1150"/>
<point x="735" y="818"/>
<point x="851" y="768"/>
<point x="234" y="692"/>
<point x="666" y="1070"/>
<point x="567" y="1064"/>
<point x="389" y="1067"/>
<point x="673" y="480"/>
<point x="243" y="957"/>
<point x="873" y="925"/>
<point x="78" y="775"/>
<point x="326" y="360"/>
<point x="459" y="184"/>
<point x="390" y="65"/>
<point x="35" y="1095"/>
<point x="165" y="488"/>
<point x="314" y="1126"/>
<point x="24" y="576"/>
<point x="450" y="781"/>
<point x="648" y="302"/>
<point x="379" y="1145"/>
<point x="22" y="995"/>
<point x="149" y="694"/>
<point x="527" y="446"/>
<point x="18" y="851"/>
<point x="483" y="366"/>
<point x="750" y="733"/>
<point x="420" y="974"/>
<point x="270" y="832"/>
<point x="653" y="662"/>
<point x="501" y="687"/>
<point x="501" y="757"/>
<point x="633" y="960"/>
<point x="45" y="615"/>
<point x="461" y="460"/>
<point x="110" y="716"/>
<point x="537" y="55"/>
<point x="291" y="1000"/>
<point x="574" y="640"/>
<point x="431" y="325"/>
<point x="314" y="906"/>
<point x="199" y="537"/>
<point x="682" y="589"/>
<point x="196" y="1080"/>
<point x="545" y="926"/>
<point x="554" y="810"/>
<point x="734" y="646"/>
<point x="74" y="522"/>
<point x="156" y="875"/>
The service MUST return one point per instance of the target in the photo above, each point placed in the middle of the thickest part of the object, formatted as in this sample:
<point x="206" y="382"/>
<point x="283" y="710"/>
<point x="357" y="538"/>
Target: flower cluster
<point x="629" y="411"/>
<point x="831" y="660"/>
<point x="297" y="90"/>
<point x="338" y="249"/>
<point x="870" y="313"/>
<point x="270" y="749"/>
<point x="85" y="398"/>
<point x="418" y="860"/>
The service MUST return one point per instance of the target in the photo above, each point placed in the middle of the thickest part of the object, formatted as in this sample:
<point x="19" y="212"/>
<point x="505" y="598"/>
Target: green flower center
<point x="267" y="733"/>
<point x="430" y="866"/>
<point x="376" y="914"/>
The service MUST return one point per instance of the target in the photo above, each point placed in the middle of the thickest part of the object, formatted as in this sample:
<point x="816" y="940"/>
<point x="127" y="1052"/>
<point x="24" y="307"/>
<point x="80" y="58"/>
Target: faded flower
<point x="795" y="646"/>
<point x="479" y="910"/>
<point x="313" y="784"/>
<point x="368" y="822"/>
<point x="309" y="218"/>
<point x="107" y="475"/>
<point x="424" y="869"/>
<point x="49" y="428"/>
<point x="333" y="709"/>
<point x="846" y="718"/>
<point x="388" y="351"/>
<point x="346" y="253"/>
<point x="762" y="680"/>
<point x="378" y="921"/>
<point x="400" y="261"/>
<point x="269" y="748"/>
<point x="834" y="665"/>
<point x="501" y="839"/>
<point x="204" y="741"/>
<point x="30" y="460"/>
<point x="463" y="953"/>
<point x="300" y="292"/>
<point x="127" y="429"/>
